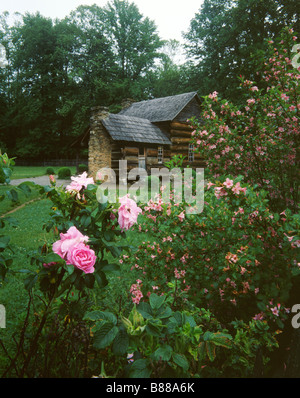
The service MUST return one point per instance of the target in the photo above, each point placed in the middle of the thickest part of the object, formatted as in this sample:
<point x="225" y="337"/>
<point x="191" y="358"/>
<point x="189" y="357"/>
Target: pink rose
<point x="82" y="181"/>
<point x="128" y="213"/>
<point x="52" y="179"/>
<point x="71" y="238"/>
<point x="82" y="257"/>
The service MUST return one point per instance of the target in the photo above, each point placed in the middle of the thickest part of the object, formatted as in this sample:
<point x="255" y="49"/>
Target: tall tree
<point x="135" y="41"/>
<point x="226" y="36"/>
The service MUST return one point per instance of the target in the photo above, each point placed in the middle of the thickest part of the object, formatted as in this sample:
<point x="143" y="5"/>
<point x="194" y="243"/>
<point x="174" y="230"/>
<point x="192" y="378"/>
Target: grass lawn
<point x="27" y="235"/>
<point x="35" y="171"/>
<point x="7" y="205"/>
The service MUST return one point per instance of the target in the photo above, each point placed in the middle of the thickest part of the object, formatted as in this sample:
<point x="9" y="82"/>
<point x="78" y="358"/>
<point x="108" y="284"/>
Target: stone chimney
<point x="126" y="103"/>
<point x="99" y="113"/>
<point x="100" y="142"/>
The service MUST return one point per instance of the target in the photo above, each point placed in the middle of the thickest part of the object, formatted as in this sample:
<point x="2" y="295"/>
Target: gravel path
<point x="43" y="180"/>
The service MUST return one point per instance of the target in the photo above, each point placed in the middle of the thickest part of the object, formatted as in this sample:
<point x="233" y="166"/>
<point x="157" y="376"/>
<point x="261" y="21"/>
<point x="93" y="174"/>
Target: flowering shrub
<point x="237" y="258"/>
<point x="67" y="268"/>
<point x="259" y="139"/>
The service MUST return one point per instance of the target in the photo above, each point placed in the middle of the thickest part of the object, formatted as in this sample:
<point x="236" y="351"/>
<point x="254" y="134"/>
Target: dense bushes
<point x="64" y="172"/>
<point x="82" y="168"/>
<point x="50" y="171"/>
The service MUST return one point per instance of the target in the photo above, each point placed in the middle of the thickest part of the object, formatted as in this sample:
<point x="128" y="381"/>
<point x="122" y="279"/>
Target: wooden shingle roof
<point x="160" y="109"/>
<point x="128" y="128"/>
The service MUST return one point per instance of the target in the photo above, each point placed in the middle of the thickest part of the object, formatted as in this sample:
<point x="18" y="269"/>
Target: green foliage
<point x="162" y="343"/>
<point x="82" y="168"/>
<point x="6" y="168"/>
<point x="64" y="172"/>
<point x="118" y="48"/>
<point x="50" y="171"/>
<point x="260" y="138"/>
<point x="226" y="39"/>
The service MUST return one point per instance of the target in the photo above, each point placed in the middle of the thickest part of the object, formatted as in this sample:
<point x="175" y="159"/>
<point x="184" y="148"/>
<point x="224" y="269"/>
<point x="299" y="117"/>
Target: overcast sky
<point x="172" y="17"/>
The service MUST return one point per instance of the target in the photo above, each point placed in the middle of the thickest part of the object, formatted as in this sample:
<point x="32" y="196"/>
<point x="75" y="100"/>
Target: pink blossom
<point x="68" y="240"/>
<point x="237" y="189"/>
<point x="181" y="216"/>
<point x="228" y="183"/>
<point x="128" y="213"/>
<point x="82" y="181"/>
<point x="82" y="257"/>
<point x="220" y="191"/>
<point x="210" y="184"/>
<point x="275" y="311"/>
<point x="52" y="179"/>
<point x="259" y="317"/>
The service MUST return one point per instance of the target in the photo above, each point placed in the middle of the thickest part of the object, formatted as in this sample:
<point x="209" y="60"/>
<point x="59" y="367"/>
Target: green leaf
<point x="105" y="335"/>
<point x="201" y="351"/>
<point x="13" y="195"/>
<point x="111" y="268"/>
<point x="100" y="316"/>
<point x="156" y="301"/>
<point x="145" y="310"/>
<point x="211" y="351"/>
<point x="52" y="258"/>
<point x="89" y="280"/>
<point x="154" y="327"/>
<point x="208" y="336"/>
<point x="164" y="312"/>
<point x="85" y="220"/>
<point x="108" y="235"/>
<point x="30" y="281"/>
<point x="222" y="339"/>
<point x="70" y="268"/>
<point x="100" y="279"/>
<point x="121" y="343"/>
<point x="24" y="186"/>
<point x="181" y="361"/>
<point x="4" y="241"/>
<point x="140" y="369"/>
<point x="163" y="353"/>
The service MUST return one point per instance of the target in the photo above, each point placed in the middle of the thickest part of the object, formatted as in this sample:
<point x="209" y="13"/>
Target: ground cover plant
<point x="149" y="290"/>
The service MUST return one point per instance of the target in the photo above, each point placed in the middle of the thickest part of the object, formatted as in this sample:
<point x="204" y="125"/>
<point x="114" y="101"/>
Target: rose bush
<point x="67" y="268"/>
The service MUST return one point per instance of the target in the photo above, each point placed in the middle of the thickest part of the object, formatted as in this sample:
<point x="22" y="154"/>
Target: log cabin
<point x="146" y="134"/>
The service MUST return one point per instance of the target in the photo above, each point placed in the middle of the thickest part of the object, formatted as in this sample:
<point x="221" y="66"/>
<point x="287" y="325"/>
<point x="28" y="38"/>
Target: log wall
<point x="181" y="136"/>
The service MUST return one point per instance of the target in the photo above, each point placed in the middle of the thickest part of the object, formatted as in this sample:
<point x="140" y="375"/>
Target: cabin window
<point x="191" y="153"/>
<point x="160" y="154"/>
